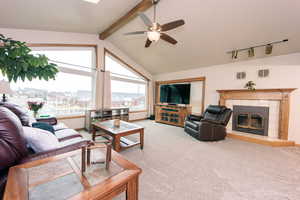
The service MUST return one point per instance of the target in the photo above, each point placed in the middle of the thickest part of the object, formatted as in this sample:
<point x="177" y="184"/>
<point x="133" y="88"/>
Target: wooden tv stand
<point x="171" y="114"/>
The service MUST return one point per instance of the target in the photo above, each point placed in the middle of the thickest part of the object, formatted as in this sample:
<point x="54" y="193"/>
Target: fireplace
<point x="251" y="119"/>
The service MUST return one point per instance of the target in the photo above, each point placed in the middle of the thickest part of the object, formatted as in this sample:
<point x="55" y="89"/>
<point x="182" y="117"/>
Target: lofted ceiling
<point x="63" y="15"/>
<point x="212" y="27"/>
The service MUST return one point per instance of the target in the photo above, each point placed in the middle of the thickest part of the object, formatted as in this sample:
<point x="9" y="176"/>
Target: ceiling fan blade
<point x="145" y="19"/>
<point x="168" y="38"/>
<point x="148" y="43"/>
<point x="172" y="25"/>
<point x="136" y="33"/>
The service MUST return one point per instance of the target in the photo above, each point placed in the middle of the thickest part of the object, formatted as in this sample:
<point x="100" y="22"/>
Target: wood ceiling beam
<point x="141" y="7"/>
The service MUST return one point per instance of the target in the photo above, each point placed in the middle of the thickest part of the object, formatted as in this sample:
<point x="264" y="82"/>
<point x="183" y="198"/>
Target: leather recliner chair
<point x="211" y="126"/>
<point x="13" y="148"/>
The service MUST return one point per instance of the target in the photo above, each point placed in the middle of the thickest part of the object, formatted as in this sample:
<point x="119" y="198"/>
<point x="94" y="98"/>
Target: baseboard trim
<point x="262" y="141"/>
<point x="136" y="120"/>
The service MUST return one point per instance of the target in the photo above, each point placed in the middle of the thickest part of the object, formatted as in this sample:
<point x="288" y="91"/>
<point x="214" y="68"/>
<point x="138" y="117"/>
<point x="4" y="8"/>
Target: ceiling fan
<point x="155" y="30"/>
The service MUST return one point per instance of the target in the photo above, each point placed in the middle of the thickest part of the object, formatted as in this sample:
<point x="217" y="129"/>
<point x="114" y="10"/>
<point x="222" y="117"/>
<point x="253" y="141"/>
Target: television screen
<point x="175" y="93"/>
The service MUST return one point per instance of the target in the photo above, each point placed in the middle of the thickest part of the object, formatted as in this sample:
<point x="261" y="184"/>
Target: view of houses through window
<point x="71" y="92"/>
<point x="127" y="87"/>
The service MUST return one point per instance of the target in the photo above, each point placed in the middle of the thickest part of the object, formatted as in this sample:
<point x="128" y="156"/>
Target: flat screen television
<point x="175" y="93"/>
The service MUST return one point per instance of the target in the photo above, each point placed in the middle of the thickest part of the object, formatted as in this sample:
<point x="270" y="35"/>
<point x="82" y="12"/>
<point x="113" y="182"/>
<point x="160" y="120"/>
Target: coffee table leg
<point x="88" y="160"/>
<point x="93" y="132"/>
<point x="108" y="155"/>
<point x="142" y="138"/>
<point x="83" y="159"/>
<point x="116" y="143"/>
<point x="132" y="189"/>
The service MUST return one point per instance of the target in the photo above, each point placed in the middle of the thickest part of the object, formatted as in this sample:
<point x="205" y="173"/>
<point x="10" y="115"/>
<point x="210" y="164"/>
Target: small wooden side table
<point x="96" y="146"/>
<point x="49" y="175"/>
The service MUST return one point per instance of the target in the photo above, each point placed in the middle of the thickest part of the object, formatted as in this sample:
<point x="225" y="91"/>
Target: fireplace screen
<point x="251" y="119"/>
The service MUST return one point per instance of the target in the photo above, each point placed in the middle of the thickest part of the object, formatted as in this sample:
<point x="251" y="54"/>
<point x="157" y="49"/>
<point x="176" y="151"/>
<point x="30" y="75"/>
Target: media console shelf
<point x="171" y="114"/>
<point x="107" y="114"/>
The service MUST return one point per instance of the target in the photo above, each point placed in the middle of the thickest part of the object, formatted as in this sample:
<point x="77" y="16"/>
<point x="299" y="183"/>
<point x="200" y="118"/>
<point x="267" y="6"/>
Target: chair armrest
<point x="212" y="122"/>
<point x="71" y="147"/>
<point x="192" y="117"/>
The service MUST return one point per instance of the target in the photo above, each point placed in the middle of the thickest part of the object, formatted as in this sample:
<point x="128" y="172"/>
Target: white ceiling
<point x="62" y="15"/>
<point x="212" y="27"/>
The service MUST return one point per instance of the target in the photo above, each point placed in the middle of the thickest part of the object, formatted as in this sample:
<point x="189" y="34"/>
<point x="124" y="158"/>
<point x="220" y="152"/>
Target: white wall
<point x="196" y="97"/>
<point x="284" y="73"/>
<point x="35" y="36"/>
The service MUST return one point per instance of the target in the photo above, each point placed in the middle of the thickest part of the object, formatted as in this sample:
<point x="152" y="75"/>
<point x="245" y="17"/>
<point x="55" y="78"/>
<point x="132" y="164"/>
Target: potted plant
<point x="18" y="62"/>
<point x="250" y="85"/>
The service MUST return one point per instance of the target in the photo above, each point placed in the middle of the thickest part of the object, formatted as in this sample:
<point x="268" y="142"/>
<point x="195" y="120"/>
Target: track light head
<point x="269" y="48"/>
<point x="251" y="52"/>
<point x="234" y="54"/>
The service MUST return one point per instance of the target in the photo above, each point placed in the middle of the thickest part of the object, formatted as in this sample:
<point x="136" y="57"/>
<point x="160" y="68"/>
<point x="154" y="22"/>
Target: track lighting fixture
<point x="234" y="54"/>
<point x="251" y="52"/>
<point x="268" y="49"/>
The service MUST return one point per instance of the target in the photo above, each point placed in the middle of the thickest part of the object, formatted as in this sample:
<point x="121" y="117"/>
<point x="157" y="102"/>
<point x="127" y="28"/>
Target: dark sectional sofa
<point x="13" y="147"/>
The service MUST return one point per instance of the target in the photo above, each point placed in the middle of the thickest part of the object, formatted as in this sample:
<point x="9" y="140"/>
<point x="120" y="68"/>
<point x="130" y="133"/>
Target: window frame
<point x="132" y="69"/>
<point x="73" y="71"/>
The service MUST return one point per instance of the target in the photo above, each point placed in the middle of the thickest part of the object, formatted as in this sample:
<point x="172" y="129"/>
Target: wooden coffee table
<point x="61" y="177"/>
<point x="117" y="133"/>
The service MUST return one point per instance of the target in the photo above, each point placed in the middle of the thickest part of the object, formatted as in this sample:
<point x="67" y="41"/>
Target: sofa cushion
<point x="66" y="134"/>
<point x="40" y="140"/>
<point x="71" y="141"/>
<point x="12" y="143"/>
<point x="59" y="126"/>
<point x="44" y="126"/>
<point x="19" y="111"/>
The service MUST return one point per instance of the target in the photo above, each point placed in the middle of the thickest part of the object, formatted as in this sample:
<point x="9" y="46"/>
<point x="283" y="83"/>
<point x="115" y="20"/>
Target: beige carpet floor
<point x="178" y="167"/>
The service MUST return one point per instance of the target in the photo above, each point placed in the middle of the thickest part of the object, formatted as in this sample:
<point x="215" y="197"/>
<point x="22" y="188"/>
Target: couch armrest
<point x="50" y="120"/>
<point x="3" y="178"/>
<point x="192" y="117"/>
<point x="71" y="147"/>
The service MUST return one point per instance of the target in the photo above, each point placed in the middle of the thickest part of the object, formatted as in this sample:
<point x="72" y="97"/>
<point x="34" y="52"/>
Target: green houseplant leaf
<point x="17" y="62"/>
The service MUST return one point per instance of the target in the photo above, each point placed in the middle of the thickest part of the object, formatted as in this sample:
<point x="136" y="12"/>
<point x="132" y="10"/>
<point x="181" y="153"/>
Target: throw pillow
<point x="40" y="140"/>
<point x="19" y="111"/>
<point x="44" y="126"/>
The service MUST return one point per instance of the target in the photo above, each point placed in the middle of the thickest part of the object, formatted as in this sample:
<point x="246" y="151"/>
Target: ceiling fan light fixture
<point x="153" y="36"/>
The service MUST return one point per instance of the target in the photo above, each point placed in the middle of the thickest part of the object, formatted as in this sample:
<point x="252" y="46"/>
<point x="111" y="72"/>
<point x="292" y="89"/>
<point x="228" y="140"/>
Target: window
<point x="71" y="92"/>
<point x="128" y="88"/>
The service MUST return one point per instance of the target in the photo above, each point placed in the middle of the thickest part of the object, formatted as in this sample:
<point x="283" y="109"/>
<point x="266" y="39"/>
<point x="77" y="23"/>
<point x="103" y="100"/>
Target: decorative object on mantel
<point x="250" y="85"/>
<point x="18" y="62"/>
<point x="35" y="106"/>
<point x="5" y="89"/>
<point x="250" y="50"/>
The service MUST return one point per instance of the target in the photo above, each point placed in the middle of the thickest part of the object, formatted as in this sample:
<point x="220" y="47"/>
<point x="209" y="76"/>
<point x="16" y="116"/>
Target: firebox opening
<point x="251" y="119"/>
